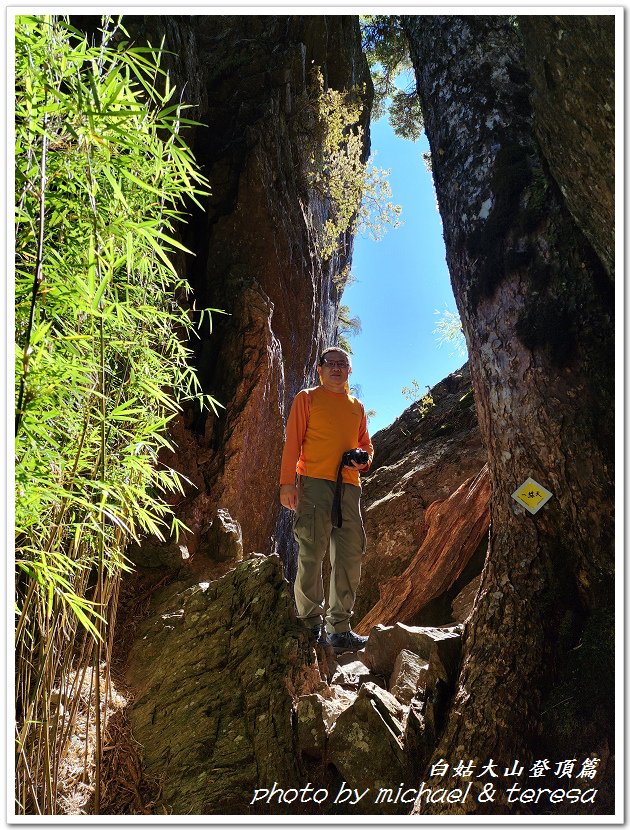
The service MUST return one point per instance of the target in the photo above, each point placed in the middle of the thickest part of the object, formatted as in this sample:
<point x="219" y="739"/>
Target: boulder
<point x="316" y="716"/>
<point x="462" y="604"/>
<point x="365" y="744"/>
<point x="311" y="725"/>
<point x="419" y="735"/>
<point x="408" y="673"/>
<point x="386" y="642"/>
<point x="215" y="670"/>
<point x="444" y="659"/>
<point x="352" y="673"/>
<point x="222" y="539"/>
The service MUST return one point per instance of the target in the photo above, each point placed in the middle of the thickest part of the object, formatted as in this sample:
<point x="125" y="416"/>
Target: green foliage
<point x="343" y="278"/>
<point x="357" y="391"/>
<point x="377" y="212"/>
<point x="405" y="114"/>
<point x="449" y="330"/>
<point x="359" y="193"/>
<point x="344" y="343"/>
<point x="387" y="51"/>
<point x="385" y="45"/>
<point x="413" y="393"/>
<point x="101" y="362"/>
<point x="347" y="325"/>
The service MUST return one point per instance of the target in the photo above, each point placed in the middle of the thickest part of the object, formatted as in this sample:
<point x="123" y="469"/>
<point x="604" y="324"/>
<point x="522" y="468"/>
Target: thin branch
<point x="38" y="273"/>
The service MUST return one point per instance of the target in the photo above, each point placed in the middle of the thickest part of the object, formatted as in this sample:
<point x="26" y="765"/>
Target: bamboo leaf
<point x="115" y="187"/>
<point x="139" y="182"/>
<point x="78" y="609"/>
<point x="158" y="249"/>
<point x="99" y="292"/>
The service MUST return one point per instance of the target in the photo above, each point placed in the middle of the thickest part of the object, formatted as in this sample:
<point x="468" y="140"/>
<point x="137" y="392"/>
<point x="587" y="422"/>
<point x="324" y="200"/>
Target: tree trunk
<point x="537" y="311"/>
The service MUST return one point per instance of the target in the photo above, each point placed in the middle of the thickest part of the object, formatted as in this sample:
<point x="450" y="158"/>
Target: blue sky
<point x="401" y="281"/>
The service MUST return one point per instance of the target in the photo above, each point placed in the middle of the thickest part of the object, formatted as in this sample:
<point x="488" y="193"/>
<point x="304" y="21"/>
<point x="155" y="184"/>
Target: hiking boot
<point x="347" y="641"/>
<point x="319" y="634"/>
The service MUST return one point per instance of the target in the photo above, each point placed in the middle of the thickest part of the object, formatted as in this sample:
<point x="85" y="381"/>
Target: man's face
<point x="335" y="368"/>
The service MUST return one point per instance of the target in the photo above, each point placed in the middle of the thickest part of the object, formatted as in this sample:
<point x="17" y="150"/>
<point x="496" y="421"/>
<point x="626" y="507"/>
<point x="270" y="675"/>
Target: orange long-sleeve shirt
<point x="322" y="426"/>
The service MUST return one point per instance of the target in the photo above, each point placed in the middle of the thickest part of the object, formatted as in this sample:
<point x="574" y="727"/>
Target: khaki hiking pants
<point x="313" y="530"/>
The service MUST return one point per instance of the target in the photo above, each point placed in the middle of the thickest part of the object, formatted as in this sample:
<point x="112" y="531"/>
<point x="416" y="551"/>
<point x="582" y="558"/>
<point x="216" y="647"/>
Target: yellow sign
<point x="531" y="495"/>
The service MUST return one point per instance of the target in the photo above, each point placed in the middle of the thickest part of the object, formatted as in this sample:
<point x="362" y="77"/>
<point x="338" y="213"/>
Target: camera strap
<point x="336" y="517"/>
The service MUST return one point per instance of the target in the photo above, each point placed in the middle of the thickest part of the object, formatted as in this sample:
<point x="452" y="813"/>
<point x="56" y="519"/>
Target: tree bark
<point x="456" y="527"/>
<point x="537" y="311"/>
<point x="571" y="62"/>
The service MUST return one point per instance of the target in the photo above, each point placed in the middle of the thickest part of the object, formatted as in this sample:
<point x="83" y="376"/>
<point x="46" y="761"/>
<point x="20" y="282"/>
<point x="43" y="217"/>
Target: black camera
<point x="360" y="456"/>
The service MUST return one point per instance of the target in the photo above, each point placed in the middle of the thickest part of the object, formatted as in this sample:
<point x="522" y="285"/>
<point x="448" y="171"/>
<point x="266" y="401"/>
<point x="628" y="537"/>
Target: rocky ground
<point x="231" y="698"/>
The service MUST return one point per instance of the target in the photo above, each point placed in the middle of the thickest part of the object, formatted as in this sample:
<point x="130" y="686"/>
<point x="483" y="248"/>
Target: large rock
<point x="419" y="736"/>
<point x="366" y="745"/>
<point x="407" y="674"/>
<point x="421" y="459"/>
<point x="219" y="541"/>
<point x="316" y="716"/>
<point x="386" y="642"/>
<point x="216" y="670"/>
<point x="352" y="673"/>
<point x="464" y="601"/>
<point x="222" y="539"/>
<point x="444" y="658"/>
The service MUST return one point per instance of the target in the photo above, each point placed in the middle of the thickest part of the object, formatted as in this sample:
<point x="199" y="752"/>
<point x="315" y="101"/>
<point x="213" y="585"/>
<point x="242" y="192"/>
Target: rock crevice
<point x="256" y="248"/>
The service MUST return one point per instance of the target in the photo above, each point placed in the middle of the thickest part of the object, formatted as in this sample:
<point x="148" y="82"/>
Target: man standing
<point x="324" y="423"/>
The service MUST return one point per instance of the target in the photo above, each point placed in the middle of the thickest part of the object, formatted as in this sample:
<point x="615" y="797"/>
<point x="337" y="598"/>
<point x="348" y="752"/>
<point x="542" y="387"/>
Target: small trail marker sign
<point x="531" y="495"/>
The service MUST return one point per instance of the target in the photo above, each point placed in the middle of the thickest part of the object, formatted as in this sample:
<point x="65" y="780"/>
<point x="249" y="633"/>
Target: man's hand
<point x="359" y="466"/>
<point x="288" y="496"/>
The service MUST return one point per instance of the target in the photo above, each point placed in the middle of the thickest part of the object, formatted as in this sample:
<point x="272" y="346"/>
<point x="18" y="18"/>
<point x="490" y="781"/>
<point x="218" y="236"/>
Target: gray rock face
<point x="222" y="539"/>
<point x="419" y="737"/>
<point x="231" y="695"/>
<point x="463" y="603"/>
<point x="381" y="739"/>
<point x="444" y="657"/>
<point x="352" y="673"/>
<point x="311" y="717"/>
<point x="316" y="716"/>
<point x="215" y="670"/>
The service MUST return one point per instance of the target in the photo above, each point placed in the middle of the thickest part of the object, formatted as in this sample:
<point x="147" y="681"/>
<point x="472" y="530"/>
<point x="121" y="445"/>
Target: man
<point x="325" y="422"/>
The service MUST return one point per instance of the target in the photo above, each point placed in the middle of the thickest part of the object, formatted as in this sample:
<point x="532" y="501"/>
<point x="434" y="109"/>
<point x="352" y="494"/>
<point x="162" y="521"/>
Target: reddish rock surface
<point x="420" y="462"/>
<point x="456" y="527"/>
